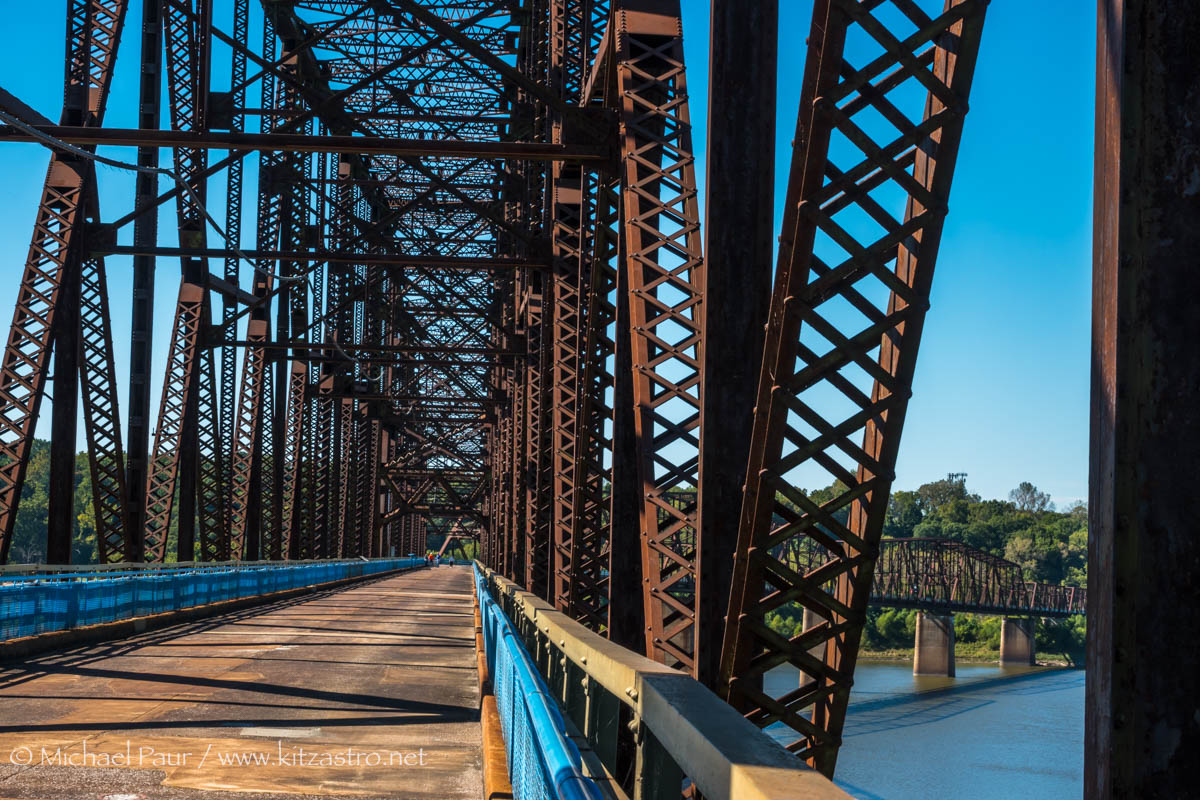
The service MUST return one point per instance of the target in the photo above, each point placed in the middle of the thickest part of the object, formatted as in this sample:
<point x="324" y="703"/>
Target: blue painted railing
<point x="32" y="604"/>
<point x="542" y="761"/>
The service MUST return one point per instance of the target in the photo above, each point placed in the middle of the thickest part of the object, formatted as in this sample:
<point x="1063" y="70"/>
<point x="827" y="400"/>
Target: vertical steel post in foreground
<point x="739" y="248"/>
<point x="1143" y="688"/>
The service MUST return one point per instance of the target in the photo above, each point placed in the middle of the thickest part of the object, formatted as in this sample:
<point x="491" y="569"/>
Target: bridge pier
<point x="812" y="618"/>
<point x="933" y="650"/>
<point x="1017" y="642"/>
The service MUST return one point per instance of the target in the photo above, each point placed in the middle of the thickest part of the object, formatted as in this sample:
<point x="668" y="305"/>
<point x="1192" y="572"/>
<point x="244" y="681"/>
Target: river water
<point x="989" y="733"/>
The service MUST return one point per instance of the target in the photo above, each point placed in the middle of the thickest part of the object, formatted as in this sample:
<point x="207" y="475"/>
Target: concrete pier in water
<point x="1017" y="641"/>
<point x="933" y="650"/>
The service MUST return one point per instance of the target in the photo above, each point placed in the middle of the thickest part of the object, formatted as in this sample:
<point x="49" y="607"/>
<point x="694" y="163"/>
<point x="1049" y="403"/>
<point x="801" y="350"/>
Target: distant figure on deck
<point x="450" y="560"/>
<point x="437" y="561"/>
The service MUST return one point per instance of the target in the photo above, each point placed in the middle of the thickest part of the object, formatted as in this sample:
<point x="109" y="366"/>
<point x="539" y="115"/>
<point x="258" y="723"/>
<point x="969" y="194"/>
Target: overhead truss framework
<point x="441" y="271"/>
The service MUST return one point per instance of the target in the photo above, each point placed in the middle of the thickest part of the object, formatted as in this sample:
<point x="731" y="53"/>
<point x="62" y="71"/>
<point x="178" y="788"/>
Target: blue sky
<point x="1001" y="388"/>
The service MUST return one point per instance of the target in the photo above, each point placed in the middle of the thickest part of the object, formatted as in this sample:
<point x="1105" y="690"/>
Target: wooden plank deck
<point x="368" y="691"/>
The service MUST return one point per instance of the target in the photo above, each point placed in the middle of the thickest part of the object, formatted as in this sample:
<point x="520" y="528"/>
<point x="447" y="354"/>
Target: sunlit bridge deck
<point x="370" y="690"/>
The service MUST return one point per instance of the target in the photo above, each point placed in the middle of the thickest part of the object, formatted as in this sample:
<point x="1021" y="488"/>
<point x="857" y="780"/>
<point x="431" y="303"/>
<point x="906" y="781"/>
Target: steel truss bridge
<point x="442" y="267"/>
<point x="945" y="576"/>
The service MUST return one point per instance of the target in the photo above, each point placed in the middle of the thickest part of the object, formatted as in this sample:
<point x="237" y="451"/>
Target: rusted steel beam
<point x="384" y="259"/>
<point x="169" y="447"/>
<point x="566" y="289"/>
<point x="234" y="188"/>
<point x="665" y="273"/>
<point x="367" y="347"/>
<point x="145" y="233"/>
<point x="626" y="585"/>
<point x="589" y="598"/>
<point x="813" y="349"/>
<point x="302" y="143"/>
<point x="532" y="496"/>
<point x="739" y="218"/>
<point x="64" y="411"/>
<point x="1143" y="554"/>
<point x="115" y="540"/>
<point x="175" y="466"/>
<point x="93" y="33"/>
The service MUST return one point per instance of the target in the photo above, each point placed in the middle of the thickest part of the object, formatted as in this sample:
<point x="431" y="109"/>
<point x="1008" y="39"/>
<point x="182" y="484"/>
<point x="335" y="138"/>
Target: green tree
<point x="936" y="494"/>
<point x="1026" y="497"/>
<point x="29" y="534"/>
<point x="903" y="515"/>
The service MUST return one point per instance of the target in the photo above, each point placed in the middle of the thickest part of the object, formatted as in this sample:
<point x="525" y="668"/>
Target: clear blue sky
<point x="1001" y="388"/>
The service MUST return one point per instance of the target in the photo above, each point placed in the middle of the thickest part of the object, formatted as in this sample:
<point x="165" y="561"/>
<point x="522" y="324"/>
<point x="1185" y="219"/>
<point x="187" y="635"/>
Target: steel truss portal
<point x="441" y="271"/>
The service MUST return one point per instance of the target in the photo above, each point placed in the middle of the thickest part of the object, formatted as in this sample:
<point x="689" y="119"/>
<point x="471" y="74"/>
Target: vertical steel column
<point x="588" y="598"/>
<point x="245" y="501"/>
<point x="174" y="467"/>
<point x="213" y="505"/>
<point x="1143" y="689"/>
<point x="568" y="19"/>
<point x="324" y="471"/>
<point x="293" y="457"/>
<point x="564" y="348"/>
<point x="739" y="217"/>
<point x="178" y="389"/>
<point x="145" y="234"/>
<point x="234" y="188"/>
<point x="344" y="444"/>
<point x="93" y="33"/>
<point x="532" y="494"/>
<point x="64" y="411"/>
<point x="101" y="415"/>
<point x="665" y="273"/>
<point x="626" y="609"/>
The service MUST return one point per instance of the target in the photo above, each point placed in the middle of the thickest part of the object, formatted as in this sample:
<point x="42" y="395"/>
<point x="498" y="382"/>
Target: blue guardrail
<point x="543" y="764"/>
<point x="32" y="604"/>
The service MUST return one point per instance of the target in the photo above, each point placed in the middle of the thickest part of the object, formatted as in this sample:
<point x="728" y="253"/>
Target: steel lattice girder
<point x="846" y="316"/>
<point x="662" y="259"/>
<point x="93" y="32"/>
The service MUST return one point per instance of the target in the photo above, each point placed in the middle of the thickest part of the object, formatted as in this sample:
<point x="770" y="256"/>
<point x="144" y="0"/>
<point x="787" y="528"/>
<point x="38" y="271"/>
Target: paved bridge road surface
<point x="340" y="693"/>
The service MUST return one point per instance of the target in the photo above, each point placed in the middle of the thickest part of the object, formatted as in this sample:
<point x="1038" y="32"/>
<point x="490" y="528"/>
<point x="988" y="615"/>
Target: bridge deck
<point x="370" y="690"/>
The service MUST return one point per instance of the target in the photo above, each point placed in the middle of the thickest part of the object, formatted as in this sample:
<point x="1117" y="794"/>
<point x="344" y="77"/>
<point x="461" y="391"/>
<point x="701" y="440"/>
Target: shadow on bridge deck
<point x="369" y="691"/>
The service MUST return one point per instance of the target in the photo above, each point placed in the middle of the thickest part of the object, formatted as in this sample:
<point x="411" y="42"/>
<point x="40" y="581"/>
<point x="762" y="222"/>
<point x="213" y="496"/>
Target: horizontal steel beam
<point x="940" y="607"/>
<point x="303" y="143"/>
<point x="372" y="348"/>
<point x="359" y="259"/>
<point x="447" y="119"/>
<point x="449" y="473"/>
<point x="484" y="418"/>
<point x="431" y="363"/>
<point x="442" y="400"/>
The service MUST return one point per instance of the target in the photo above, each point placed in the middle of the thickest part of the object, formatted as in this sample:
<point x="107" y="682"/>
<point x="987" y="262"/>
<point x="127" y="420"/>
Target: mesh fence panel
<point x="543" y="763"/>
<point x="32" y="604"/>
<point x="528" y="772"/>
